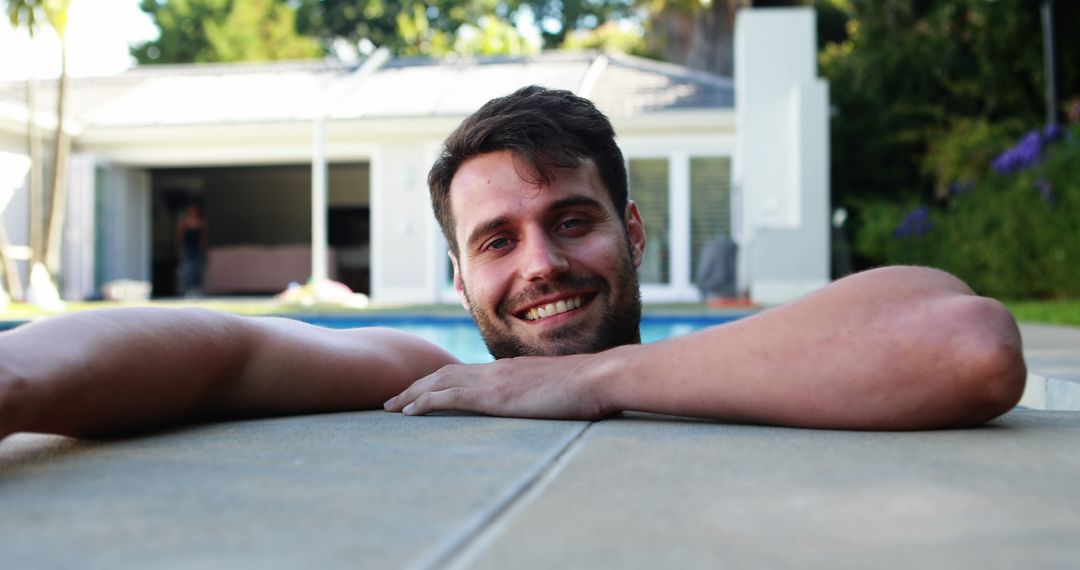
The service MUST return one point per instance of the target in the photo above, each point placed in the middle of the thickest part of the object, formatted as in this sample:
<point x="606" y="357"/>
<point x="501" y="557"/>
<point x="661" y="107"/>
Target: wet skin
<point x="545" y="270"/>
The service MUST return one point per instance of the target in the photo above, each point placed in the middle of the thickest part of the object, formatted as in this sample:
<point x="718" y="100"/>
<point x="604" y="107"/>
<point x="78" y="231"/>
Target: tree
<point x="558" y="18"/>
<point x="924" y="91"/>
<point x="230" y="30"/>
<point x="699" y="34"/>
<point x="908" y="71"/>
<point x="45" y="258"/>
<point x="610" y="35"/>
<point x="182" y="37"/>
<point x="199" y="31"/>
<point x="260" y="30"/>
<point x="493" y="36"/>
<point x="406" y="27"/>
<point x="434" y="27"/>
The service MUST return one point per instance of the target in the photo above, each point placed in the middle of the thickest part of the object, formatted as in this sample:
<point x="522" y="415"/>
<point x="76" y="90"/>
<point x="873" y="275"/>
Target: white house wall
<point x="781" y="170"/>
<point x="775" y="50"/>
<point x="403" y="238"/>
<point x="783" y="272"/>
<point x="202" y="145"/>
<point x="12" y="142"/>
<point x="12" y="127"/>
<point x="15" y="204"/>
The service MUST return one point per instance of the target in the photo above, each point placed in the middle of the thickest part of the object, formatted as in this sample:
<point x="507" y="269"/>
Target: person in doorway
<point x="192" y="235"/>
<point x="531" y="193"/>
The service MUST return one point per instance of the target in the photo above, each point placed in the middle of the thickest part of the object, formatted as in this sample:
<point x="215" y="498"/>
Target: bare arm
<point x="896" y="348"/>
<point x="105" y="371"/>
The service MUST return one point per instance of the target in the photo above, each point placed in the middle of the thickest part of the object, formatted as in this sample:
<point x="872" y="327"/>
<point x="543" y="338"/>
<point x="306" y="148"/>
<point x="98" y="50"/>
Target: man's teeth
<point x="552" y="309"/>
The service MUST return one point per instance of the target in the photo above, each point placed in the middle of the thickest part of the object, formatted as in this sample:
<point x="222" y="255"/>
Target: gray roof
<point x="619" y="84"/>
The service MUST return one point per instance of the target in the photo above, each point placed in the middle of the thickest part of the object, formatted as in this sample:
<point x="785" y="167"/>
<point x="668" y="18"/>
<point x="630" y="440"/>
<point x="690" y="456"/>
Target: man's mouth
<point x="552" y="309"/>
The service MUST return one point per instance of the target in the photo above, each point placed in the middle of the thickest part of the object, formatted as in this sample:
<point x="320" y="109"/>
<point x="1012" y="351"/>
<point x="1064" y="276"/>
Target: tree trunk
<point x="54" y="227"/>
<point x="37" y="172"/>
<point x="699" y="37"/>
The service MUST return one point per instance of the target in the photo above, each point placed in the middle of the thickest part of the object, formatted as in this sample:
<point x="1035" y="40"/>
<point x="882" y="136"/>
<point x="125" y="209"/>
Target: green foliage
<point x="959" y="156"/>
<point x="608" y="36"/>
<point x="434" y="27"/>
<point x="926" y="94"/>
<point x="558" y="18"/>
<point x="182" y="28"/>
<point x="1056" y="312"/>
<point x="1013" y="235"/>
<point x="28" y="14"/>
<point x="259" y="30"/>
<point x="493" y="36"/>
<point x="832" y="21"/>
<point x="198" y="31"/>
<point x="409" y="27"/>
<point x="905" y="69"/>
<point x="405" y="27"/>
<point x="235" y="30"/>
<point x="24" y="14"/>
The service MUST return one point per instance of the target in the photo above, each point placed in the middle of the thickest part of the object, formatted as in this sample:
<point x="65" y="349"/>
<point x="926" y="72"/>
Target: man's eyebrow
<point x="573" y="201"/>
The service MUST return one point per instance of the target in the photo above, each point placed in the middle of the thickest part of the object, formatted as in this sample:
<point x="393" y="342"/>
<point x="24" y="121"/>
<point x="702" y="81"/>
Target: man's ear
<point x="459" y="285"/>
<point x="635" y="230"/>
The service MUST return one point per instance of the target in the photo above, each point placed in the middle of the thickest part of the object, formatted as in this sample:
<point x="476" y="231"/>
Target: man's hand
<point x="552" y="387"/>
<point x="894" y="348"/>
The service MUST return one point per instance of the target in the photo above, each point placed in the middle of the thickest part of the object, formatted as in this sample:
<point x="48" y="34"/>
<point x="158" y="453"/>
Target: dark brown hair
<point x="545" y="129"/>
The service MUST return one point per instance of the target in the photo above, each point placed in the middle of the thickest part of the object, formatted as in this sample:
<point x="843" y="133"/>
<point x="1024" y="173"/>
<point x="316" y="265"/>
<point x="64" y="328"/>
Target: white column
<point x="679" y="206"/>
<point x="318" y="200"/>
<point x="77" y="275"/>
<point x="781" y="169"/>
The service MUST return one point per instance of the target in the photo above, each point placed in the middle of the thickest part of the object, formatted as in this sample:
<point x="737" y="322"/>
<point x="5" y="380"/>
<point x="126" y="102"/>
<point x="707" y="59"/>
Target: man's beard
<point x="618" y="324"/>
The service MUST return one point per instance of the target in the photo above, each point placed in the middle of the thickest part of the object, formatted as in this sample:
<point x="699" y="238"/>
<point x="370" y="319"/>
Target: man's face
<point x="545" y="270"/>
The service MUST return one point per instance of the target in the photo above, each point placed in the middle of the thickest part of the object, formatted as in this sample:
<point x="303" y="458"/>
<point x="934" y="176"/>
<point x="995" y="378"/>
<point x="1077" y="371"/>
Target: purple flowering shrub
<point x="1009" y="224"/>
<point x="1029" y="151"/>
<point x="916" y="223"/>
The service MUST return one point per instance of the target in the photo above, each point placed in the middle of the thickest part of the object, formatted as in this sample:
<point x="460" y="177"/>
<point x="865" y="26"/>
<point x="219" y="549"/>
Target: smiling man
<point x="531" y="195"/>
<point x="544" y="269"/>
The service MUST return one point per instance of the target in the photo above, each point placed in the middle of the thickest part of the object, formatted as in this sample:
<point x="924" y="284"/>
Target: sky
<point x="99" y="32"/>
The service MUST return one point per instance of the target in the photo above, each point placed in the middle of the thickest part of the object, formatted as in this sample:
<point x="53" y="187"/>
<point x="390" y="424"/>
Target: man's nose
<point x="543" y="258"/>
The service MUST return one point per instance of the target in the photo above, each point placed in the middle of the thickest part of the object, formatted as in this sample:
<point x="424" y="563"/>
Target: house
<point x="264" y="146"/>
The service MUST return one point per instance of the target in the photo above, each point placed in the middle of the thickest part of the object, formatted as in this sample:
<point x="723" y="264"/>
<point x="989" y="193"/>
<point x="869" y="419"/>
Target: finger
<point x="450" y="399"/>
<point x="433" y="382"/>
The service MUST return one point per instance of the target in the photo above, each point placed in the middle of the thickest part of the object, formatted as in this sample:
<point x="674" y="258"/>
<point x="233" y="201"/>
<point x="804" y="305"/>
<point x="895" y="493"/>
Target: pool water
<point x="460" y="337"/>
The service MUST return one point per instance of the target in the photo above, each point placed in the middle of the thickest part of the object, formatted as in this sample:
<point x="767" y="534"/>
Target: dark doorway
<point x="263" y="215"/>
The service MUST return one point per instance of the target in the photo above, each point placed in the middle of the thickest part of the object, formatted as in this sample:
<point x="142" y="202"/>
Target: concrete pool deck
<point x="371" y="489"/>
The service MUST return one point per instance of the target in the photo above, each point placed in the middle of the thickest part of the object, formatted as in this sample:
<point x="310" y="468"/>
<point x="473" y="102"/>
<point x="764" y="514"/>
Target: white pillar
<point x="679" y="223"/>
<point x="77" y="275"/>
<point x="318" y="201"/>
<point x="781" y="170"/>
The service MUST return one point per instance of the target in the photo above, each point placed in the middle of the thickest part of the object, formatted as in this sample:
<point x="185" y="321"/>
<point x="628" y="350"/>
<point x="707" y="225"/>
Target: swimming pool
<point x="459" y="335"/>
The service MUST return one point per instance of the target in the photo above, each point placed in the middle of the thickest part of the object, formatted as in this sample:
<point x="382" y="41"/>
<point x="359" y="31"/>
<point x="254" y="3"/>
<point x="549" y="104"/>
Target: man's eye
<point x="570" y="224"/>
<point x="498" y="243"/>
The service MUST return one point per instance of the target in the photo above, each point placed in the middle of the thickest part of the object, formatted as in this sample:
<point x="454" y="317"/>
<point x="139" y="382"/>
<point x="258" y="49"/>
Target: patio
<point x="372" y="489"/>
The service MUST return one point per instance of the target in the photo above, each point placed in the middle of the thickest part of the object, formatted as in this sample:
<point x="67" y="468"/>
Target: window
<point x="710" y="204"/>
<point x="649" y="188"/>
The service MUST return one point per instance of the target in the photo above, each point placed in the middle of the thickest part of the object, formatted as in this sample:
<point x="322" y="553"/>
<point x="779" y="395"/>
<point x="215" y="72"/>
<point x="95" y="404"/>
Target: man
<point x="531" y="195"/>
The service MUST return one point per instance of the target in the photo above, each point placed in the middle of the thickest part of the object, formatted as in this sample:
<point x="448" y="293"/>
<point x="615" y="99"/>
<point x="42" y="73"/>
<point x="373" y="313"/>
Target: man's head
<point x="531" y="195"/>
<point x="545" y="129"/>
